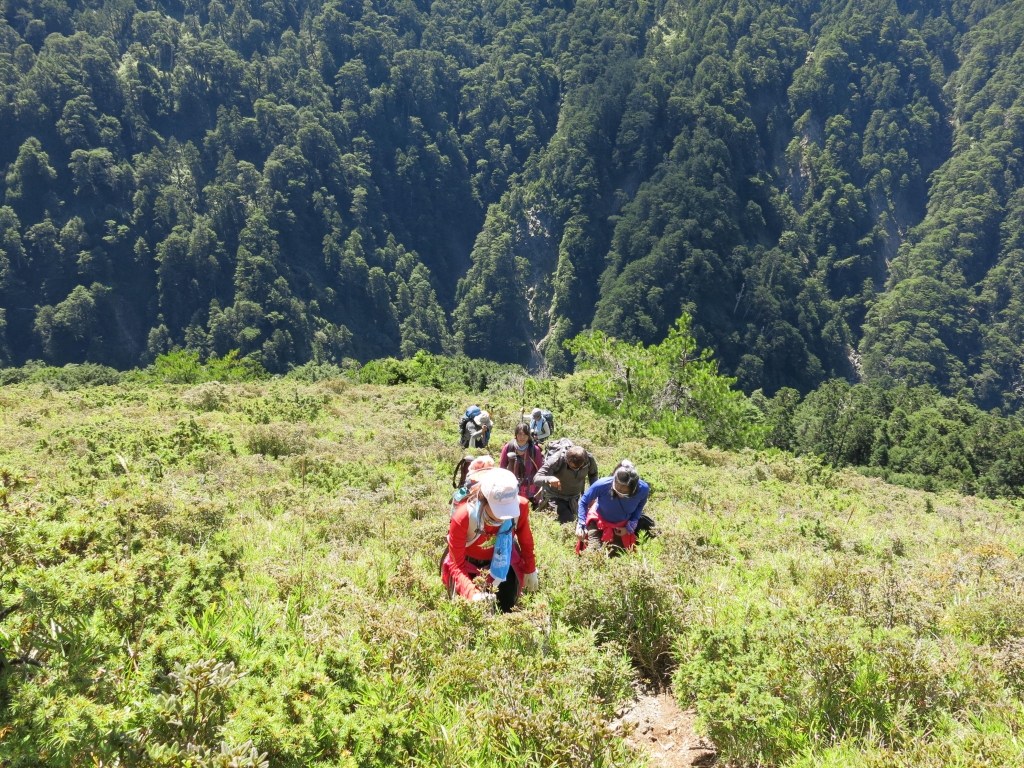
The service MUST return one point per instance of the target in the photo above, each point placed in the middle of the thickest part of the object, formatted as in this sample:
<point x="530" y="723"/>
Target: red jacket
<point x="461" y="544"/>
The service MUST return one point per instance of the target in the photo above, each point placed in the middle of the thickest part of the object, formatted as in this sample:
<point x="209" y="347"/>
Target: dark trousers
<point x="508" y="592"/>
<point x="594" y="540"/>
<point x="565" y="509"/>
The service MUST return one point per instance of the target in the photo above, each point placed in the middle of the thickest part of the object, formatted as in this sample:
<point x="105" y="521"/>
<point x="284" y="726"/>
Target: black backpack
<point x="463" y="434"/>
<point x="460" y="472"/>
<point x="647" y="525"/>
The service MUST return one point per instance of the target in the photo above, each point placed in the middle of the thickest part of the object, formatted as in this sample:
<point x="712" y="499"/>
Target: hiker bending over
<point x="522" y="457"/>
<point x="490" y="529"/>
<point x="564" y="476"/>
<point x="610" y="510"/>
<point x="477" y="431"/>
<point x="540" y="427"/>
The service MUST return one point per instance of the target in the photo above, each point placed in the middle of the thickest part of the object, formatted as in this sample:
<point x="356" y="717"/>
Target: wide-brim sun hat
<point x="483" y="420"/>
<point x="501" y="489"/>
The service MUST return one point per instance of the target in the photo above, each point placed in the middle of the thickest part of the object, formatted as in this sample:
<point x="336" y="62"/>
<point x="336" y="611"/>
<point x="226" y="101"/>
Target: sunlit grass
<point x="813" y="618"/>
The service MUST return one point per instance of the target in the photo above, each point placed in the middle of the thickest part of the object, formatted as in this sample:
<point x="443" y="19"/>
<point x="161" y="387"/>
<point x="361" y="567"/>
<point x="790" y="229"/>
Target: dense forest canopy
<point x="829" y="188"/>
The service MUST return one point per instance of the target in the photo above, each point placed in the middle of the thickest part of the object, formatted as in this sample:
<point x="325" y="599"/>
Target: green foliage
<point x="666" y="388"/>
<point x="627" y="602"/>
<point x="948" y="315"/>
<point x="909" y="435"/>
<point x="183" y="367"/>
<point x="778" y="413"/>
<point x="168" y="596"/>
<point x="769" y="695"/>
<point x="326" y="181"/>
<point x="458" y="374"/>
<point x="233" y="190"/>
<point x="71" y="376"/>
<point x="273" y="440"/>
<point x="313" y="371"/>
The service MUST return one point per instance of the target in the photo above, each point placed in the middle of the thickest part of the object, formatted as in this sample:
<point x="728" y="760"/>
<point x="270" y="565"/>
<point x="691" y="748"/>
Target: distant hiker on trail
<point x="564" y="476"/>
<point x="490" y="529"/>
<point x="610" y="510"/>
<point x="476" y="428"/>
<point x="522" y="457"/>
<point x="542" y="424"/>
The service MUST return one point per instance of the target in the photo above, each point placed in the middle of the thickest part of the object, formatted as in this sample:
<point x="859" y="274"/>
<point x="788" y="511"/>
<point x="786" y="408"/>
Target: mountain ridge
<point x="316" y="180"/>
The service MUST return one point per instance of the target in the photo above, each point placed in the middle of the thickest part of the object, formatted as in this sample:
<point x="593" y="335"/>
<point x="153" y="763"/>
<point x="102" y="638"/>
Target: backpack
<point x="514" y="459"/>
<point x="549" y="417"/>
<point x="647" y="525"/>
<point x="471" y="413"/>
<point x="460" y="471"/>
<point x="557" y="446"/>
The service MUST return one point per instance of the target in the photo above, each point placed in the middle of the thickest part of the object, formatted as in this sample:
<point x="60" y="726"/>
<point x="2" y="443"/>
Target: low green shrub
<point x="313" y="372"/>
<point x="70" y="377"/>
<point x="1011" y="665"/>
<point x="184" y="367"/>
<point x="812" y="619"/>
<point x="449" y="374"/>
<point x="627" y="601"/>
<point x="768" y="689"/>
<point x="210" y="396"/>
<point x="274" y="440"/>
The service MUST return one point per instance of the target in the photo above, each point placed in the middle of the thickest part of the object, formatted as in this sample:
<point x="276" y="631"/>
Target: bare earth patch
<point x="656" y="725"/>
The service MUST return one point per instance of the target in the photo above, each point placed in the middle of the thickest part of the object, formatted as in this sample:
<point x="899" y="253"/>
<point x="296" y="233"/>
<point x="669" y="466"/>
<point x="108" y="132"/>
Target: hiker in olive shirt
<point x="564" y="476"/>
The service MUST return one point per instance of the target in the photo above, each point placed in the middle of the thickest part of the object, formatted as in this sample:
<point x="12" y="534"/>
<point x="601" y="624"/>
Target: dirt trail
<point x="655" y="724"/>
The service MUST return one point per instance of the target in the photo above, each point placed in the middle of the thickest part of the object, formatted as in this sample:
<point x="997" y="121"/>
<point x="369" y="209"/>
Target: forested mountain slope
<point x="829" y="188"/>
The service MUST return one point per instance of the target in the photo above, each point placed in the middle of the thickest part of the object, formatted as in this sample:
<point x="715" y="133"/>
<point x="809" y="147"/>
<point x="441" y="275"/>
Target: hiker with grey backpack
<point x="542" y="425"/>
<point x="564" y="476"/>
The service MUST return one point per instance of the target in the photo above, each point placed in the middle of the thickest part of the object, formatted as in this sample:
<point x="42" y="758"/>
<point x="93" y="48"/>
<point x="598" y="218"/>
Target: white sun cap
<point x="501" y="489"/>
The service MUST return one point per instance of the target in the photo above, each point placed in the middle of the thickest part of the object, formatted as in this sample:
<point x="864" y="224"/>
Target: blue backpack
<point x="471" y="413"/>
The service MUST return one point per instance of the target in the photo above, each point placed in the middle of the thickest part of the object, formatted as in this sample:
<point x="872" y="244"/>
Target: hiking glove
<point x="484" y="597"/>
<point x="531" y="582"/>
<point x="581" y="532"/>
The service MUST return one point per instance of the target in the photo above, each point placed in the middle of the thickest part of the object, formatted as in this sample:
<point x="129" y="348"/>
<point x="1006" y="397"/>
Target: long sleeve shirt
<point x="524" y="467"/>
<point x="542" y="428"/>
<point x="460" y="546"/>
<point x="624" y="511"/>
<point x="478" y="436"/>
<point x="571" y="481"/>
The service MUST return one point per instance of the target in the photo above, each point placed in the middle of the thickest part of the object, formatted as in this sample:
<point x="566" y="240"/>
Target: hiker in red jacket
<point x="522" y="457"/>
<point x="490" y="529"/>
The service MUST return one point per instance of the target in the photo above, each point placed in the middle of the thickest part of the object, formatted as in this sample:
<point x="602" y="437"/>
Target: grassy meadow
<point x="246" y="574"/>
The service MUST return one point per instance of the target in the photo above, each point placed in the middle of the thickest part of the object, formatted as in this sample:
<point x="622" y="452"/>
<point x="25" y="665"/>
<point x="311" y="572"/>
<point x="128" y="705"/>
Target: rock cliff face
<point x="810" y="180"/>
